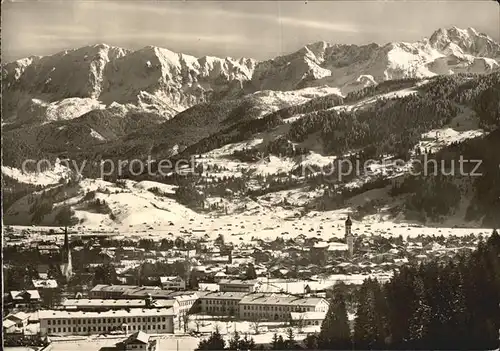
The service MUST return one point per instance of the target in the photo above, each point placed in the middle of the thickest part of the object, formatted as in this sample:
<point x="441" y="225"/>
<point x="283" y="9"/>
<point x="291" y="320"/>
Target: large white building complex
<point x="100" y="305"/>
<point x="251" y="306"/>
<point x="152" y="321"/>
<point x="157" y="311"/>
<point x="220" y="303"/>
<point x="278" y="307"/>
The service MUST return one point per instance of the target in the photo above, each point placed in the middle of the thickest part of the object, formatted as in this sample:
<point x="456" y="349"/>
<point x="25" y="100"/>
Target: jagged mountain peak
<point x="469" y="41"/>
<point x="154" y="75"/>
<point x="318" y="48"/>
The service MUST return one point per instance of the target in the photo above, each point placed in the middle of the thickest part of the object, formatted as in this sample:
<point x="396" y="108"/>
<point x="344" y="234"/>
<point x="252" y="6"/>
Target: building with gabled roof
<point x="237" y="285"/>
<point x="24" y="295"/>
<point x="138" y="341"/>
<point x="9" y="326"/>
<point x="277" y="307"/>
<point x="24" y="299"/>
<point x="173" y="283"/>
<point x="44" y="283"/>
<point x="104" y="291"/>
<point x="20" y="319"/>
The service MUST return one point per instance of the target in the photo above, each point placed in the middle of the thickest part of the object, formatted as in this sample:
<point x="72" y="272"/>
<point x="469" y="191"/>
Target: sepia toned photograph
<point x="250" y="175"/>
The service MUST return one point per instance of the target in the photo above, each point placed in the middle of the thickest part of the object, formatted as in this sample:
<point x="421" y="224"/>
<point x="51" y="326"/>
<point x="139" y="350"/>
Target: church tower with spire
<point x="66" y="266"/>
<point x="349" y="238"/>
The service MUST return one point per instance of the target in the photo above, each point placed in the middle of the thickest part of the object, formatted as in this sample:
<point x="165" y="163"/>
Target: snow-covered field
<point x="135" y="210"/>
<point x="132" y="205"/>
<point x="95" y="343"/>
<point x="274" y="100"/>
<point x="371" y="100"/>
<point x="462" y="127"/>
<point x="266" y="330"/>
<point x="262" y="222"/>
<point x="49" y="177"/>
<point x="64" y="109"/>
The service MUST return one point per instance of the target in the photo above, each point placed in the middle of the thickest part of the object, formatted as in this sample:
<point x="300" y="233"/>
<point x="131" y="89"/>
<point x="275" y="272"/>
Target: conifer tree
<point x="457" y="329"/>
<point x="290" y="341"/>
<point x="247" y="343"/>
<point x="237" y="343"/>
<point x="234" y="343"/>
<point x="281" y="344"/>
<point x="368" y="330"/>
<point x="250" y="272"/>
<point x="400" y="295"/>
<point x="311" y="342"/>
<point x="419" y="324"/>
<point x="214" y="342"/>
<point x="335" y="332"/>
<point x="274" y="342"/>
<point x="452" y="306"/>
<point x="381" y="311"/>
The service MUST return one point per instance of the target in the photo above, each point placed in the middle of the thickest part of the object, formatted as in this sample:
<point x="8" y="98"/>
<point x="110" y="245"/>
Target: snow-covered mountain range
<point x="253" y="126"/>
<point x="71" y="83"/>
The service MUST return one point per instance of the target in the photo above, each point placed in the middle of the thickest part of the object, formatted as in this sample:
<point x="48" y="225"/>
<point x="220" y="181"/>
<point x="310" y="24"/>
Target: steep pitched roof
<point x="21" y="295"/>
<point x="18" y="317"/>
<point x="138" y="337"/>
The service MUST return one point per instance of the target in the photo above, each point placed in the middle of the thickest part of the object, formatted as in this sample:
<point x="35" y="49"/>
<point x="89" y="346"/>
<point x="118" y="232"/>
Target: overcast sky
<point x="239" y="29"/>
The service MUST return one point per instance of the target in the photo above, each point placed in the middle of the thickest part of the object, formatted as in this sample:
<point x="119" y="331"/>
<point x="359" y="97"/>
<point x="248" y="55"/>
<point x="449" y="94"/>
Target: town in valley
<point x="250" y="175"/>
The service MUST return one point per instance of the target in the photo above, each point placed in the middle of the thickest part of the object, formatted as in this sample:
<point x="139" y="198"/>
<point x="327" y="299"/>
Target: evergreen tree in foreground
<point x="452" y="306"/>
<point x="250" y="272"/>
<point x="311" y="342"/>
<point x="237" y="343"/>
<point x="247" y="343"/>
<point x="335" y="332"/>
<point x="214" y="342"/>
<point x="278" y="343"/>
<point x="369" y="327"/>
<point x="234" y="343"/>
<point x="290" y="340"/>
<point x="419" y="323"/>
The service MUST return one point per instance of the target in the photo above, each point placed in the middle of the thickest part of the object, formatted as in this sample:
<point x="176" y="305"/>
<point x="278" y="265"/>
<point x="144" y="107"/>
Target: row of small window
<point x="104" y="294"/>
<point x="106" y="320"/>
<point x="276" y="317"/>
<point x="277" y="308"/>
<point x="263" y="315"/>
<point x="219" y="309"/>
<point x="103" y="329"/>
<point x="221" y="302"/>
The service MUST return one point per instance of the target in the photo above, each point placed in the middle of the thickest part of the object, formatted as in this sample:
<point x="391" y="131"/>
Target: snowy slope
<point x="130" y="204"/>
<point x="137" y="210"/>
<point x="69" y="74"/>
<point x="48" y="177"/>
<point x="464" y="41"/>
<point x="150" y="76"/>
<point x="179" y="80"/>
<point x="64" y="109"/>
<point x="351" y="67"/>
